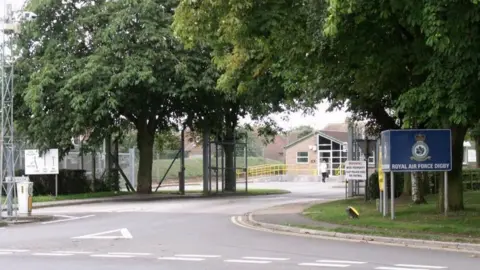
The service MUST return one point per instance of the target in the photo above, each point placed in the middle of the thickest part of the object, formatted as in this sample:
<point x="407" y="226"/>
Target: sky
<point x="318" y="120"/>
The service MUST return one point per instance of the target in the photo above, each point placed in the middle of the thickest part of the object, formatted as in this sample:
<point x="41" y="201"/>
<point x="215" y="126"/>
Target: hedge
<point x="69" y="182"/>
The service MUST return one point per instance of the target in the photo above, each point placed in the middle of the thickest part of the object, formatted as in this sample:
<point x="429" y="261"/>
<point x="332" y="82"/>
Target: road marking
<point x="14" y="250"/>
<point x="68" y="219"/>
<point x="336" y="261"/>
<point x="397" y="268"/>
<point x="51" y="254"/>
<point x="421" y="266"/>
<point x="266" y="258"/>
<point x="6" y="253"/>
<point x="247" y="261"/>
<point x="74" y="252"/>
<point x="326" y="265"/>
<point x="130" y="253"/>
<point x="181" y="259"/>
<point x="125" y="234"/>
<point x="198" y="256"/>
<point x="110" y="256"/>
<point x="64" y="216"/>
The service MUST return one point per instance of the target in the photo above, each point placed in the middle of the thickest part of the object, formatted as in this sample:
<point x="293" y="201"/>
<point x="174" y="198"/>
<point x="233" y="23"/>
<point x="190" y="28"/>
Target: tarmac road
<point x="198" y="234"/>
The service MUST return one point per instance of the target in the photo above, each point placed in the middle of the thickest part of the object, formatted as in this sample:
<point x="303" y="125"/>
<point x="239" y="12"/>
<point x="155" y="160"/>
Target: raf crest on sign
<point x="420" y="149"/>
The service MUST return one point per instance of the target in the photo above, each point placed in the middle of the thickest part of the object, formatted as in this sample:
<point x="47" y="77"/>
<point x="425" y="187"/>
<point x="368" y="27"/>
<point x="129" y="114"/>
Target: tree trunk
<point x="407" y="186"/>
<point x="231" y="118"/>
<point x="145" y="141"/>
<point x="230" y="174"/>
<point x="418" y="196"/>
<point x="455" y="184"/>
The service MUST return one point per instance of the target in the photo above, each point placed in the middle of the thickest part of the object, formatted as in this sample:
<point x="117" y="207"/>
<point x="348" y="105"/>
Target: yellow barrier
<point x="339" y="170"/>
<point x="276" y="169"/>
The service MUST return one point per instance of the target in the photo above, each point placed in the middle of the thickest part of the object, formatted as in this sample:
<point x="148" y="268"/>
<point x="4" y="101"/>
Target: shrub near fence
<point x="69" y="182"/>
<point x="471" y="179"/>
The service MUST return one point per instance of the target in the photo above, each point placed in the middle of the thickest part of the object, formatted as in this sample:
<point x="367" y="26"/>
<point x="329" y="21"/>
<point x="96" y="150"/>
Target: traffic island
<point x="27" y="219"/>
<point x="421" y="221"/>
<point x="417" y="226"/>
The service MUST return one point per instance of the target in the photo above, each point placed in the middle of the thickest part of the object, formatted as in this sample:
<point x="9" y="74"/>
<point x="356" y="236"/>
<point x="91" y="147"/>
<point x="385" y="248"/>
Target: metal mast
<point x="7" y="146"/>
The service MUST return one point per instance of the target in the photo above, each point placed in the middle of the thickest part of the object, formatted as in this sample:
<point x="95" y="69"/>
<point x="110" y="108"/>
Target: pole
<point x="223" y="167"/>
<point x="206" y="159"/>
<point x="392" y="195"/>
<point x="385" y="197"/>
<point x="182" y="162"/>
<point x="56" y="185"/>
<point x="445" y="198"/>
<point x="246" y="168"/>
<point x="216" y="166"/>
<point x="366" y="162"/>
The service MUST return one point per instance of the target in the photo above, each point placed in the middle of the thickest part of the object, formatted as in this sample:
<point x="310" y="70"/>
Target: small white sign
<point x="355" y="170"/>
<point x="38" y="165"/>
<point x="472" y="155"/>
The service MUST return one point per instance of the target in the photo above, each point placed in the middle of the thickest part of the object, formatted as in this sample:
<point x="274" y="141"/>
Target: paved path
<point x="197" y="234"/>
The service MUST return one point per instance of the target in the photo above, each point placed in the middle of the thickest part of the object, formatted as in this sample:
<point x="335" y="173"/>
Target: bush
<point x="69" y="182"/>
<point x="471" y="179"/>
<point x="374" y="189"/>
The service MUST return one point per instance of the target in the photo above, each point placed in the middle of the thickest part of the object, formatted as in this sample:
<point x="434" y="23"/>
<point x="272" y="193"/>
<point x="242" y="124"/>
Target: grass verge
<point x="251" y="192"/>
<point x="92" y="195"/>
<point x="412" y="221"/>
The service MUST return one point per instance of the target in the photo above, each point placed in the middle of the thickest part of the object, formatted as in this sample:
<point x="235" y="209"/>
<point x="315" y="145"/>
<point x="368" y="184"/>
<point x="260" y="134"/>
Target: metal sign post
<point x="416" y="150"/>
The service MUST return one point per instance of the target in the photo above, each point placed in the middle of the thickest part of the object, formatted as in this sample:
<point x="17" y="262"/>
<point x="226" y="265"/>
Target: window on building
<point x="371" y="159"/>
<point x="302" y="157"/>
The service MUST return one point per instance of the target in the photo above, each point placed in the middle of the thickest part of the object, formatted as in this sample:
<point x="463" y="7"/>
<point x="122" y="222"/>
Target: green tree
<point x="167" y="140"/>
<point x="257" y="93"/>
<point x="99" y="67"/>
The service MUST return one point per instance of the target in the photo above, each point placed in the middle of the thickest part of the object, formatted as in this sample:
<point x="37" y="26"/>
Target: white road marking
<point x="14" y="250"/>
<point x="326" y="265"/>
<point x="421" y="266"/>
<point x="197" y="256"/>
<point x="64" y="216"/>
<point x="6" y="253"/>
<point x="51" y="254"/>
<point x="247" y="261"/>
<point x="74" y="252"/>
<point x="68" y="219"/>
<point x="337" y="261"/>
<point x="125" y="234"/>
<point x="130" y="253"/>
<point x="266" y="258"/>
<point x="181" y="259"/>
<point x="397" y="268"/>
<point x="110" y="256"/>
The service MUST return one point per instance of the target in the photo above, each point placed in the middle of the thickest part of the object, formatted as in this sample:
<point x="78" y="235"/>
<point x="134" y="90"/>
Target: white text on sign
<point x="421" y="166"/>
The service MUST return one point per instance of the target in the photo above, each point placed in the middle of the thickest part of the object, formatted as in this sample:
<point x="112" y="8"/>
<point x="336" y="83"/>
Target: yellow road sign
<point x="380" y="171"/>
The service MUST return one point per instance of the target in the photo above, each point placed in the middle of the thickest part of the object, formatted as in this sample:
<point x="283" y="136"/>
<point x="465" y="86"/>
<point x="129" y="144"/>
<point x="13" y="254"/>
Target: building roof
<point x="336" y="136"/>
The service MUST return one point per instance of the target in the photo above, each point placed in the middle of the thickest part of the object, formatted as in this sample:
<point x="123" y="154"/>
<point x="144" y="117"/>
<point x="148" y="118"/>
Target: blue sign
<point x="416" y="150"/>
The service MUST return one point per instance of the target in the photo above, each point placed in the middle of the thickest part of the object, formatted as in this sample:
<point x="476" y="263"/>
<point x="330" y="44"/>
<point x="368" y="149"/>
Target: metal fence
<point x="93" y="164"/>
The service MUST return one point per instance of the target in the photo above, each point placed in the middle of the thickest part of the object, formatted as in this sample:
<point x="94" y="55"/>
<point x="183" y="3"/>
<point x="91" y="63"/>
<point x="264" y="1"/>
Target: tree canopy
<point x="408" y="64"/>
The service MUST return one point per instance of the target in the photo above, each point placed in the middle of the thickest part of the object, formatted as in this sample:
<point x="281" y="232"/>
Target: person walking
<point x="323" y="170"/>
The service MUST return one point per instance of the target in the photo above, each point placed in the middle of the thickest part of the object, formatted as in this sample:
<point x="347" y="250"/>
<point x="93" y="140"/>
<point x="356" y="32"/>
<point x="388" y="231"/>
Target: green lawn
<point x="194" y="166"/>
<point x="92" y="195"/>
<point x="251" y="192"/>
<point x="417" y="221"/>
